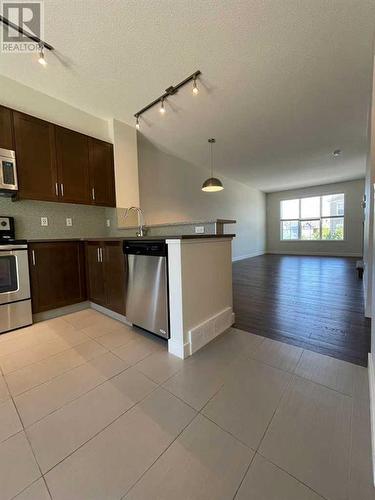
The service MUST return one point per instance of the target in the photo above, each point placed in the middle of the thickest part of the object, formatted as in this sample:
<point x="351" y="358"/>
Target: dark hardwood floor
<point x="312" y="302"/>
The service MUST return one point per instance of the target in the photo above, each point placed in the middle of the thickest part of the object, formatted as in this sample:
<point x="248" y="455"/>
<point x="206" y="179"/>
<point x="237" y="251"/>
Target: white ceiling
<point x="284" y="82"/>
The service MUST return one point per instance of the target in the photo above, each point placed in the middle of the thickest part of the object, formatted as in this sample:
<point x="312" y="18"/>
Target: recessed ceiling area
<point x="283" y="85"/>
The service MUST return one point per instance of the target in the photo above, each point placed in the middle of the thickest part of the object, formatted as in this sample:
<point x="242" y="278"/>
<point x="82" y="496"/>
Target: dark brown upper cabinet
<point x="102" y="179"/>
<point x="6" y="128"/>
<point x="57" y="274"/>
<point x="58" y="164"/>
<point x="72" y="153"/>
<point x="35" y="156"/>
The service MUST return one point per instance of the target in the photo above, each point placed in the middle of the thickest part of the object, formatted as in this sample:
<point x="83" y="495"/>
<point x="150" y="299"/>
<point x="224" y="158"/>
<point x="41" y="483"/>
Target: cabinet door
<point x="72" y="150"/>
<point x="115" y="275"/>
<point x="95" y="273"/>
<point x="102" y="178"/>
<point x="57" y="274"/>
<point x="35" y="156"/>
<point x="6" y="128"/>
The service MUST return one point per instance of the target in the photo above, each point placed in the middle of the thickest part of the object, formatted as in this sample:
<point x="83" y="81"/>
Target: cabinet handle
<point x="101" y="255"/>
<point x="57" y="188"/>
<point x="98" y="254"/>
<point x="62" y="189"/>
<point x="93" y="193"/>
<point x="33" y="257"/>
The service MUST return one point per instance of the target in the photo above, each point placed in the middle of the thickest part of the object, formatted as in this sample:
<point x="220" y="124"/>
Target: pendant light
<point x="212" y="184"/>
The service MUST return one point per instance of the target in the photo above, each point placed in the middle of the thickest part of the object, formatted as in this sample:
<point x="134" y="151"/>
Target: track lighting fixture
<point x="41" y="44"/>
<point x="195" y="88"/>
<point x="213" y="183"/>
<point x="162" y="108"/>
<point x="41" y="59"/>
<point x="173" y="89"/>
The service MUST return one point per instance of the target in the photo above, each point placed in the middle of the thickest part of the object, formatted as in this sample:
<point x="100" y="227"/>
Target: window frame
<point x="299" y="220"/>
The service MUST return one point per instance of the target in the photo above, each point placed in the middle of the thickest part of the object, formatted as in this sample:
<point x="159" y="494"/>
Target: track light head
<point x="41" y="59"/>
<point x="171" y="90"/>
<point x="195" y="88"/>
<point x="162" y="108"/>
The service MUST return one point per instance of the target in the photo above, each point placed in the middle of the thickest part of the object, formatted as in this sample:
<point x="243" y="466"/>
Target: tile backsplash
<point x="87" y="221"/>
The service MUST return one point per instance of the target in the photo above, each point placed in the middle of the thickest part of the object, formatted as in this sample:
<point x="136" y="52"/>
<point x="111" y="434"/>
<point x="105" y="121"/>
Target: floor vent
<point x="203" y="333"/>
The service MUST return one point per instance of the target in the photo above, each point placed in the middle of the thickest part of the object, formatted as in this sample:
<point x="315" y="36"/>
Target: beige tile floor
<point x="91" y="409"/>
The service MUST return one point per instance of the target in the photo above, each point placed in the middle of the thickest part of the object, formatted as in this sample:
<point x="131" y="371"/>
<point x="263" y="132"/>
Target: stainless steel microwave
<point x="8" y="172"/>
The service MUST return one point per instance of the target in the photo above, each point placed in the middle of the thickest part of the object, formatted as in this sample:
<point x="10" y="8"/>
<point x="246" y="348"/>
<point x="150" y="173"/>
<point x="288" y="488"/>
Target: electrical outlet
<point x="108" y="222"/>
<point x="69" y="221"/>
<point x="199" y="229"/>
<point x="44" y="221"/>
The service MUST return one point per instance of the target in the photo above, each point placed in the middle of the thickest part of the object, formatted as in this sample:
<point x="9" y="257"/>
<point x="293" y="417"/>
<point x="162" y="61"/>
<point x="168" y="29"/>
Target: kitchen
<point x="80" y="169"/>
<point x="132" y="143"/>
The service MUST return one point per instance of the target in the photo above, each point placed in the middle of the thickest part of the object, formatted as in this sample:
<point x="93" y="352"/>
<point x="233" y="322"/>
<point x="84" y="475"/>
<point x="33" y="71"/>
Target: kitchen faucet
<point x="142" y="230"/>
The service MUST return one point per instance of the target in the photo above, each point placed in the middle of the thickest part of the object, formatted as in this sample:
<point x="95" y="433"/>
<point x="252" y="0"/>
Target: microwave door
<point x="8" y="174"/>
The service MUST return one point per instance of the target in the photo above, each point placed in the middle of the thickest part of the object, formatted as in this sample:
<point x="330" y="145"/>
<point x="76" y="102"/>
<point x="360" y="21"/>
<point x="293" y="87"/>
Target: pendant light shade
<point x="213" y="183"/>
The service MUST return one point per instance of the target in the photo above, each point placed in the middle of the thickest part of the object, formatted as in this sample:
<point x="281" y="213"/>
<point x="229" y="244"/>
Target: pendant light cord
<point x="212" y="142"/>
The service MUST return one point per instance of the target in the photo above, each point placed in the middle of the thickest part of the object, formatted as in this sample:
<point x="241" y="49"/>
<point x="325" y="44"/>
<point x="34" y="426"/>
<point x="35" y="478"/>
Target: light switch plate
<point x="199" y="229"/>
<point x="69" y="221"/>
<point x="108" y="222"/>
<point x="44" y="221"/>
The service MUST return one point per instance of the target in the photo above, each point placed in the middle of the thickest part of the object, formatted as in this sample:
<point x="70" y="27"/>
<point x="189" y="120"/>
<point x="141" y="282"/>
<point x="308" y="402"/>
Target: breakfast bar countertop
<point x="140" y="238"/>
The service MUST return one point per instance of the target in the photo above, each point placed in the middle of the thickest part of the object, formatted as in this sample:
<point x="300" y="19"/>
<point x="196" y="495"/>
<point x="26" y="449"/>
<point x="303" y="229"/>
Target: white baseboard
<point x="248" y="256"/>
<point x="202" y="334"/>
<point x="323" y="254"/>
<point x="181" y="351"/>
<point x="371" y="376"/>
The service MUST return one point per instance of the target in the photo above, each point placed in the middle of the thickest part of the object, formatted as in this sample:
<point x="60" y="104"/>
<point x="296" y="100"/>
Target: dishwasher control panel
<point x="157" y="248"/>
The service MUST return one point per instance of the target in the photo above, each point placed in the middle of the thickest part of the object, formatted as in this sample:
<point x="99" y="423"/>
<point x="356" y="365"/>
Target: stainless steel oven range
<point x="15" y="299"/>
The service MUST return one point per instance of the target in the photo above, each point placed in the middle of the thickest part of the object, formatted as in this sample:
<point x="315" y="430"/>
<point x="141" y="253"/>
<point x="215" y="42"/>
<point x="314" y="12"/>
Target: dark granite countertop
<point x="143" y="238"/>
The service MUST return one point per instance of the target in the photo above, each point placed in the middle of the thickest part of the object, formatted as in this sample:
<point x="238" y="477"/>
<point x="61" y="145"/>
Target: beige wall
<point x="201" y="298"/>
<point x="25" y="99"/>
<point x="351" y="246"/>
<point x="369" y="222"/>
<point x="170" y="191"/>
<point x="124" y="139"/>
<point x="369" y="236"/>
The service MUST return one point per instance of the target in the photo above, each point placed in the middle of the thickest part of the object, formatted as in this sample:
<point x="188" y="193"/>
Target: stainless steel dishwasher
<point x="147" y="286"/>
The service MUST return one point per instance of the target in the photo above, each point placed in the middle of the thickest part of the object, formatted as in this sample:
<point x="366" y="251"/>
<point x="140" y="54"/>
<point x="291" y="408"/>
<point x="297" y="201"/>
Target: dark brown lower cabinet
<point x="57" y="274"/>
<point x="106" y="274"/>
<point x="95" y="273"/>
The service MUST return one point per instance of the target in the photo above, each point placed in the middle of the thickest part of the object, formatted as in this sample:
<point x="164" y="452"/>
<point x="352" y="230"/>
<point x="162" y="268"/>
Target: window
<point x="313" y="218"/>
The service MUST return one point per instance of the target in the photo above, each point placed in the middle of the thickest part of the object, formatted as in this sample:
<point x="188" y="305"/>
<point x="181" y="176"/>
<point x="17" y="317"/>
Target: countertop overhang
<point x="137" y="238"/>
